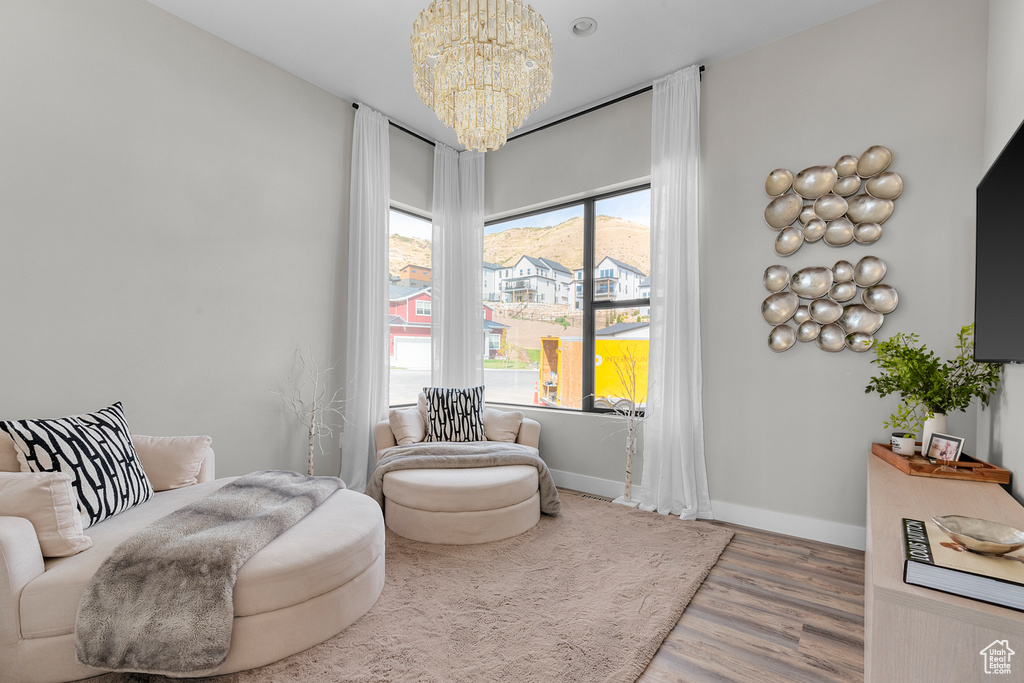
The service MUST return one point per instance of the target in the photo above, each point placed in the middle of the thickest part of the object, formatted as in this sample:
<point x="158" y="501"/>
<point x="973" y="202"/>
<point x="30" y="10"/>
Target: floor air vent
<point x="592" y="496"/>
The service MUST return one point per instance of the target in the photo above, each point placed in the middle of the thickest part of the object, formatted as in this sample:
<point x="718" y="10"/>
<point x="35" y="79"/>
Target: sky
<point x="635" y="207"/>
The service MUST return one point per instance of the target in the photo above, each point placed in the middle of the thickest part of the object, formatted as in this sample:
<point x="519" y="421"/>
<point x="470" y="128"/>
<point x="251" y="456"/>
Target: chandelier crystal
<point x="483" y="66"/>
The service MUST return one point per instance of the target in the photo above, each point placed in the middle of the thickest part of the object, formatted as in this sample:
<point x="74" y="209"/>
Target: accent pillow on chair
<point x="47" y="500"/>
<point x="500" y="425"/>
<point x="455" y="414"/>
<point x="95" y="449"/>
<point x="407" y="425"/>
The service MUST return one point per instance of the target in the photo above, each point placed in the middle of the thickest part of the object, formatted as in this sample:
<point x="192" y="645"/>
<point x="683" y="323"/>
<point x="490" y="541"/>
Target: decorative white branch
<point x="311" y="405"/>
<point x="629" y="409"/>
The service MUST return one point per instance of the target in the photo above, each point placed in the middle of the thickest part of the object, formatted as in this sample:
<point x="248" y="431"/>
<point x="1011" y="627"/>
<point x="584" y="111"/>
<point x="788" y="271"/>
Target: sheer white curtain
<point x="366" y="345"/>
<point x="456" y="278"/>
<point x="674" y="475"/>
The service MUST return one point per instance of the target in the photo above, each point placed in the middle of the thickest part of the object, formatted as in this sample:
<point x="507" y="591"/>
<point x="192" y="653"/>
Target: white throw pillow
<point x="407" y="425"/>
<point x="421" y="404"/>
<point x="500" y="425"/>
<point x="171" y="462"/>
<point x="47" y="500"/>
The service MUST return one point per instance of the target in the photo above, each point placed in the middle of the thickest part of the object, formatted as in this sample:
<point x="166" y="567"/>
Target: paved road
<point x="503" y="386"/>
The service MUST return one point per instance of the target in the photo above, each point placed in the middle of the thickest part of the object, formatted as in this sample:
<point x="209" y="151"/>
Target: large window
<point x="584" y="299"/>
<point x="409" y="306"/>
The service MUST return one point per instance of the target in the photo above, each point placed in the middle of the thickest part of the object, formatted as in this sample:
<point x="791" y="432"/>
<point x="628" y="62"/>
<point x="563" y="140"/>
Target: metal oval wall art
<point x="866" y="233"/>
<point x="814" y="230"/>
<point x="781" y="338"/>
<point x="886" y="185"/>
<point x="842" y="291"/>
<point x="825" y="311"/>
<point x="867" y="209"/>
<point x="839" y="232"/>
<point x="782" y="211"/>
<point x="838" y="205"/>
<point x="831" y="338"/>
<point x="873" y="161"/>
<point x="844" y="187"/>
<point x="815" y="181"/>
<point x="776" y="278"/>
<point x="780" y="307"/>
<point x="842" y="271"/>
<point x="811" y="283"/>
<point x="869" y="271"/>
<point x="846" y="166"/>
<point x="808" y="331"/>
<point x="788" y="240"/>
<point x="859" y="341"/>
<point x="778" y="182"/>
<point x="880" y="298"/>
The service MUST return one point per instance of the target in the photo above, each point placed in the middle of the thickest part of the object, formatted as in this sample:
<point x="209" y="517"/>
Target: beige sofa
<point x="305" y="586"/>
<point x="465" y="505"/>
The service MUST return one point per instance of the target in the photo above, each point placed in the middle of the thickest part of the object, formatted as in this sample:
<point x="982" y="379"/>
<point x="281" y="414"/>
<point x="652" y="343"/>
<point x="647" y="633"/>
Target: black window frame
<point x="590" y="306"/>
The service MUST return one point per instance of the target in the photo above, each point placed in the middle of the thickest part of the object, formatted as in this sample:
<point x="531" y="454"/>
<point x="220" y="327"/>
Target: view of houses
<point x="532" y="303"/>
<point x="409" y="334"/>
<point x="530" y="282"/>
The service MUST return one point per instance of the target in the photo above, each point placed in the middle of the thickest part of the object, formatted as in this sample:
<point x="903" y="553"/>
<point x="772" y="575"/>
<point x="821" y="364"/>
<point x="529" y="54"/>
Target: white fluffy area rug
<point x="586" y="597"/>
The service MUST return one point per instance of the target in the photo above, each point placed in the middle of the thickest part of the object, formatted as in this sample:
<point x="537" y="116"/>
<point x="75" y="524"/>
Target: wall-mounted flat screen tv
<point x="999" y="264"/>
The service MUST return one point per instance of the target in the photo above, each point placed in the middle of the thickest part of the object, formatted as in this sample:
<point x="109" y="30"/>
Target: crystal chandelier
<point x="482" y="65"/>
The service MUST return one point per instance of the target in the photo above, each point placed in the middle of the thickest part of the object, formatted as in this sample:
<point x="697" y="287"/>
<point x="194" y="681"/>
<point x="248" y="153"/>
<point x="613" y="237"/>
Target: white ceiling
<point x="360" y="50"/>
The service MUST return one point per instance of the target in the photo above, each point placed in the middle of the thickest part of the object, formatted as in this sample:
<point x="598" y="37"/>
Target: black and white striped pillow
<point x="95" y="449"/>
<point x="455" y="414"/>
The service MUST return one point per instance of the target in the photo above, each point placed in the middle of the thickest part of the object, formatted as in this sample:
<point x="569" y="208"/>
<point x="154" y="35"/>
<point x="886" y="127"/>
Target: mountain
<point x="621" y="239"/>
<point x="404" y="251"/>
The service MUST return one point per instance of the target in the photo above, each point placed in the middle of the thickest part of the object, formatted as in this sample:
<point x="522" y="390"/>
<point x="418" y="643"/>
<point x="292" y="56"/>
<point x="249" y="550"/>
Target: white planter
<point x="936" y="423"/>
<point x="903" y="445"/>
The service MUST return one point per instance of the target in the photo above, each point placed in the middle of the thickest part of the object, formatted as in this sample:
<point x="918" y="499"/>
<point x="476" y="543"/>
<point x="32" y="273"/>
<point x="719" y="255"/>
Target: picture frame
<point x="944" y="447"/>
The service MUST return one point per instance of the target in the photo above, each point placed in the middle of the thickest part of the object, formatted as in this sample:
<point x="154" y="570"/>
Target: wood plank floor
<point x="774" y="608"/>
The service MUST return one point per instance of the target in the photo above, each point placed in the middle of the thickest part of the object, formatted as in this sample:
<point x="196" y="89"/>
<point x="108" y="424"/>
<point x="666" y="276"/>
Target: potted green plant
<point x="930" y="388"/>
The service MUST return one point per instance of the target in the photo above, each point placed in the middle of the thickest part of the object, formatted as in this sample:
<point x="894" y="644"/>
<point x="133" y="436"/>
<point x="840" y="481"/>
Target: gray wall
<point x="606" y="149"/>
<point x="790" y="433"/>
<point x="174" y="217"/>
<point x="170" y="222"/>
<point x="1004" y="428"/>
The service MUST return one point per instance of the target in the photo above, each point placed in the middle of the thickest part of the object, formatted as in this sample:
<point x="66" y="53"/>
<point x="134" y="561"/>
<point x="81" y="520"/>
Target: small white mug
<point x="903" y="443"/>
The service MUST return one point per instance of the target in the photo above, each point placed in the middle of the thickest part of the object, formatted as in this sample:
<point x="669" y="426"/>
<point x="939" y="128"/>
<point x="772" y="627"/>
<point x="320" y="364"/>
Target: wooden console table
<point x="916" y="634"/>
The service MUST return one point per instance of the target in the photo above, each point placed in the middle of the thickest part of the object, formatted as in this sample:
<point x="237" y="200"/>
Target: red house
<point x="409" y="336"/>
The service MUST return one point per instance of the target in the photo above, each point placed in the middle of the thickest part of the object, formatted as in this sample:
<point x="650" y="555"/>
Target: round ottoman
<point x="462" y="506"/>
<point x="308" y="584"/>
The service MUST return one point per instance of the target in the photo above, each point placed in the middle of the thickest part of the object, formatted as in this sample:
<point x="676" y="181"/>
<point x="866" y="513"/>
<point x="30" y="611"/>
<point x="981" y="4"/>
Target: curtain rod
<point x="355" y="105"/>
<point x="591" y="109"/>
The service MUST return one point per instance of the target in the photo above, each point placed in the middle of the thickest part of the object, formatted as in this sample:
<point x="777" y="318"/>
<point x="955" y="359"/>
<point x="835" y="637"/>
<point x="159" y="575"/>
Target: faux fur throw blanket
<point x="162" y="601"/>
<point x="449" y="455"/>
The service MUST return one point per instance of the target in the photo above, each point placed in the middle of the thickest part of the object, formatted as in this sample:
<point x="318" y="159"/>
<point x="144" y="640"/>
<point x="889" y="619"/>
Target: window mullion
<point x="587" y="360"/>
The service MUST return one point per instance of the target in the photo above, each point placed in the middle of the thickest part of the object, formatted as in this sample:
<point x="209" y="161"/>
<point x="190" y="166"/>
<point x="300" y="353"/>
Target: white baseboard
<point x="599" y="487"/>
<point x="836" y="533"/>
